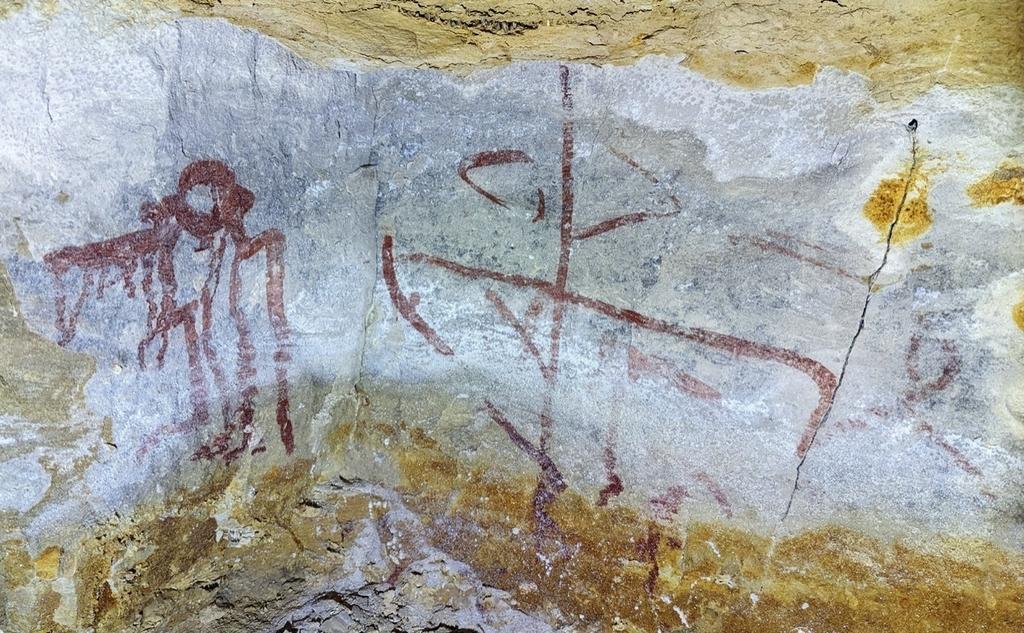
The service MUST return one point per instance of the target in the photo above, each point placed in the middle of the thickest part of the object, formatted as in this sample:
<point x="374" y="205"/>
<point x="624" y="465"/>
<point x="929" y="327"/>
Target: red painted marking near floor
<point x="550" y="484"/>
<point x="647" y="548"/>
<point x="716" y="492"/>
<point x="614" y="487"/>
<point x="547" y="466"/>
<point x="668" y="504"/>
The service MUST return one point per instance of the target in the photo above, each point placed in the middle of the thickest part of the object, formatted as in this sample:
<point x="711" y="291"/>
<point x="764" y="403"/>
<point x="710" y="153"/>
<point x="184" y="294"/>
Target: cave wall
<point x="511" y="317"/>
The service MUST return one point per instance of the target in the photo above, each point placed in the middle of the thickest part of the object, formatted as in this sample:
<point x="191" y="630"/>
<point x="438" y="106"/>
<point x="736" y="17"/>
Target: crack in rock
<point x="912" y="130"/>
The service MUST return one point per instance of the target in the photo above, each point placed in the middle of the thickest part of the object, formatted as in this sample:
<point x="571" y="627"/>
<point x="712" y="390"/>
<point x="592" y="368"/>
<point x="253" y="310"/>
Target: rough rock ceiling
<point x="903" y="48"/>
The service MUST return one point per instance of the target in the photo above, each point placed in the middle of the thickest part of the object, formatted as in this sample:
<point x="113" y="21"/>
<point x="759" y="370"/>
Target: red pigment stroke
<point x="521" y="330"/>
<point x="779" y="235"/>
<point x="668" y="504"/>
<point x="544" y="462"/>
<point x="958" y="457"/>
<point x="539" y="215"/>
<point x="565" y="238"/>
<point x="716" y="492"/>
<point x="773" y="247"/>
<point x="184" y="317"/>
<point x="629" y="219"/>
<point x="498" y="157"/>
<point x="488" y="159"/>
<point x="614" y="487"/>
<point x="645" y="173"/>
<point x="640" y="363"/>
<point x="550" y="484"/>
<point x="152" y="249"/>
<point x="647" y="548"/>
<point x="619" y="222"/>
<point x="122" y="252"/>
<point x="405" y="307"/>
<point x="950" y="370"/>
<point x="822" y="377"/>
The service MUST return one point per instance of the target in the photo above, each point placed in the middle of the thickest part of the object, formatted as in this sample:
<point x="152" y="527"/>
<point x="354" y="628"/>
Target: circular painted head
<point x="230" y="200"/>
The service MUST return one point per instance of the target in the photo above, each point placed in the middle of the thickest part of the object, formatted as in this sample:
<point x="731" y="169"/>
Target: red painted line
<point x="619" y="222"/>
<point x="539" y="214"/>
<point x="792" y="238"/>
<point x="648" y="549"/>
<point x="822" y="377"/>
<point x="520" y="329"/>
<point x="950" y="370"/>
<point x="565" y="227"/>
<point x="668" y="504"/>
<point x="772" y="247"/>
<point x="645" y="173"/>
<point x="548" y="468"/>
<point x="402" y="303"/>
<point x="614" y="487"/>
<point x="716" y="492"/>
<point x="639" y="362"/>
<point x="488" y="159"/>
<point x="958" y="457"/>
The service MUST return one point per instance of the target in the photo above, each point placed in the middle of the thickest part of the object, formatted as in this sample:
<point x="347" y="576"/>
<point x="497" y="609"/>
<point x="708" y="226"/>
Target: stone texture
<point x="903" y="48"/>
<point x="546" y="346"/>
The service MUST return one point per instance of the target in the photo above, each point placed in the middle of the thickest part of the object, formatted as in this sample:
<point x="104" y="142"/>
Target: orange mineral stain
<point x="617" y="567"/>
<point x="47" y="564"/>
<point x="600" y="569"/>
<point x="903" y="200"/>
<point x="1005" y="184"/>
<point x="1018" y="314"/>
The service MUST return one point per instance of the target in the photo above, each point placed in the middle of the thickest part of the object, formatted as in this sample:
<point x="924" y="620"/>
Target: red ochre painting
<point x="144" y="260"/>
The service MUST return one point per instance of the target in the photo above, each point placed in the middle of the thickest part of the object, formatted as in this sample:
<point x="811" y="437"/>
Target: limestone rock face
<point x="540" y="346"/>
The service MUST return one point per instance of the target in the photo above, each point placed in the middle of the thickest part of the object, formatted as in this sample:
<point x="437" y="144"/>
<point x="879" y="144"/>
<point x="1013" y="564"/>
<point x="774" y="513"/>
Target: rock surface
<point x="544" y="346"/>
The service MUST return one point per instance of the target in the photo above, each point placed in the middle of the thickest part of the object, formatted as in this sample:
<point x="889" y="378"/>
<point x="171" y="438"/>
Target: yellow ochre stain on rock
<point x="617" y="568"/>
<point x="39" y="380"/>
<point x="1018" y="314"/>
<point x="903" y="48"/>
<point x="1005" y="184"/>
<point x="905" y="195"/>
<point x="47" y="564"/>
<point x="612" y="568"/>
<point x="603" y="566"/>
<point x="9" y="7"/>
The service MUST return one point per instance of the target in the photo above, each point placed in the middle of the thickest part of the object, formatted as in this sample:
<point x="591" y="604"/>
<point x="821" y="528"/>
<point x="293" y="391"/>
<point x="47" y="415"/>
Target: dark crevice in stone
<point x="912" y="130"/>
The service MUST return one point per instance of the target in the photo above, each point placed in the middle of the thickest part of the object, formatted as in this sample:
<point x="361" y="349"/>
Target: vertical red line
<point x="565" y="237"/>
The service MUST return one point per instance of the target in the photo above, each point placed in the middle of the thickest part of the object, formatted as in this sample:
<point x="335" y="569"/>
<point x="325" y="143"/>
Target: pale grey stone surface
<point x="25" y="483"/>
<point x="339" y="160"/>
